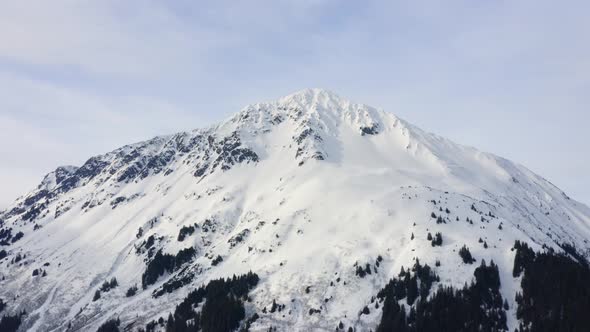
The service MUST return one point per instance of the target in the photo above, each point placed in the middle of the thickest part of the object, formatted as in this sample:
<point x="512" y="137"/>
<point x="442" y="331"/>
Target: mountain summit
<point x="311" y="205"/>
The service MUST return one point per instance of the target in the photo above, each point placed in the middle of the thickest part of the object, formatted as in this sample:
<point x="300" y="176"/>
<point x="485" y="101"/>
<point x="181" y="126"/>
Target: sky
<point x="80" y="78"/>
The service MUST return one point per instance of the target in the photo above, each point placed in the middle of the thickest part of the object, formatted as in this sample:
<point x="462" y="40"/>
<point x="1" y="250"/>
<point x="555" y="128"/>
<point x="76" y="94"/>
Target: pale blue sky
<point x="78" y="78"/>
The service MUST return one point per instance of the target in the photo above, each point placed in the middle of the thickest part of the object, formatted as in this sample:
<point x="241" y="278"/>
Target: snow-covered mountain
<point x="324" y="199"/>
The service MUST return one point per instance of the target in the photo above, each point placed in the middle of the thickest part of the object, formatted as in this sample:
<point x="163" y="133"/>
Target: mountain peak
<point x="312" y="94"/>
<point x="316" y="98"/>
<point x="326" y="199"/>
<point x="312" y="109"/>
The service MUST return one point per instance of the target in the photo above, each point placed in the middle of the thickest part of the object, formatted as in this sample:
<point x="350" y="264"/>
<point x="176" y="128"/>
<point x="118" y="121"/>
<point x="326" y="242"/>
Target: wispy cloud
<point x="99" y="37"/>
<point x="82" y="77"/>
<point x="43" y="126"/>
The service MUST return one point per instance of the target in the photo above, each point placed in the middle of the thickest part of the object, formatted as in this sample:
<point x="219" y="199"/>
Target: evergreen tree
<point x="555" y="291"/>
<point x="365" y="311"/>
<point x="10" y="323"/>
<point x="131" y="291"/>
<point x="185" y="231"/>
<point x="437" y="241"/>
<point x="170" y="325"/>
<point x="411" y="289"/>
<point x="466" y="255"/>
<point x="223" y="309"/>
<point x="477" y="307"/>
<point x="111" y="325"/>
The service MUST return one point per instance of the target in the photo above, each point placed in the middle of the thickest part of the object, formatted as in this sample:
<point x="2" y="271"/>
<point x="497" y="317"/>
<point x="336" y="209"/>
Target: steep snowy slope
<point x="302" y="191"/>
